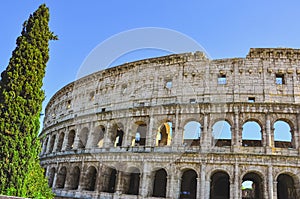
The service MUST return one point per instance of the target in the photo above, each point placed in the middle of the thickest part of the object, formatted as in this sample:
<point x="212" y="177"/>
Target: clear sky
<point x="224" y="28"/>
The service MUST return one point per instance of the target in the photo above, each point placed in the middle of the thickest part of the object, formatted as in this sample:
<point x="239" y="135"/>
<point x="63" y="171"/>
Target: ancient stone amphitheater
<point x="179" y="126"/>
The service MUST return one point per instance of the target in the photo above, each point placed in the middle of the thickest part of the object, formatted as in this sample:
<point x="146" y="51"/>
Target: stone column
<point x="198" y="192"/>
<point x="107" y="140"/>
<point x="269" y="138"/>
<point x="81" y="177"/>
<point x="178" y="134"/>
<point x="128" y="134"/>
<point x="236" y="184"/>
<point x="270" y="182"/>
<point x="54" y="178"/>
<point x="297" y="132"/>
<point x="205" y="137"/>
<point x="236" y="135"/>
<point x="203" y="182"/>
<point x="145" y="186"/>
<point x="98" y="185"/>
<point x="119" y="186"/>
<point x="65" y="142"/>
<point x="150" y="136"/>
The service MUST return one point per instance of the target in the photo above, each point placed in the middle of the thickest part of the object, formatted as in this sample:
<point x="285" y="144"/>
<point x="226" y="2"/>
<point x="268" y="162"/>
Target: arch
<point x="221" y="132"/>
<point x="219" y="185"/>
<point x="52" y="141"/>
<point x="51" y="176"/>
<point x="192" y="133"/>
<point x="251" y="134"/>
<point x="98" y="136"/>
<point x="71" y="138"/>
<point x="188" y="188"/>
<point x="45" y="145"/>
<point x="90" y="179"/>
<point x="60" y="141"/>
<point x="286" y="187"/>
<point x="111" y="183"/>
<point x="164" y="134"/>
<point x="117" y="135"/>
<point x="83" y="135"/>
<point x="254" y="189"/>
<point x="134" y="181"/>
<point x="74" y="178"/>
<point x="160" y="183"/>
<point x="61" y="178"/>
<point x="140" y="134"/>
<point x="282" y="134"/>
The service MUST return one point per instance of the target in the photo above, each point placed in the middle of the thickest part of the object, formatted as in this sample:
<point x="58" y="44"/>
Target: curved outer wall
<point x="90" y="144"/>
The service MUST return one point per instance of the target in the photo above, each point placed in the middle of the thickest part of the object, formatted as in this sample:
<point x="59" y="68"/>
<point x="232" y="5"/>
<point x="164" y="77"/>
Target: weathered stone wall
<point x="90" y="127"/>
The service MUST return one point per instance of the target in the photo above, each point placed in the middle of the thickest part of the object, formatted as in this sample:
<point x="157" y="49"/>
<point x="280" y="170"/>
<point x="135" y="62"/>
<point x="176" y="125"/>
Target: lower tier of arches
<point x="182" y="176"/>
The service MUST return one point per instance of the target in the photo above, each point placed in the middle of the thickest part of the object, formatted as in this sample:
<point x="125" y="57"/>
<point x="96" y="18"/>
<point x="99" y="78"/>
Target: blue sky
<point x="223" y="28"/>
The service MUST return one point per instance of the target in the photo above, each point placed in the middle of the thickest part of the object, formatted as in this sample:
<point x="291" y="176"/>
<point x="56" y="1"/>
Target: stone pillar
<point x="65" y="142"/>
<point x="269" y="137"/>
<point x="146" y="184"/>
<point x="297" y="132"/>
<point x="198" y="192"/>
<point x="81" y="177"/>
<point x="119" y="186"/>
<point x="203" y="182"/>
<point x="236" y="135"/>
<point x="150" y="136"/>
<point x="205" y="137"/>
<point x="128" y="134"/>
<point x="54" y="178"/>
<point x="178" y="134"/>
<point x="107" y="140"/>
<point x="98" y="185"/>
<point x="236" y="184"/>
<point x="270" y="182"/>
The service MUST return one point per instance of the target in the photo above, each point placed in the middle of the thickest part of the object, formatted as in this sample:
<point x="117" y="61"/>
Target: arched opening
<point x="252" y="186"/>
<point x="251" y="135"/>
<point x="286" y="187"/>
<point x="160" y="183"/>
<point x="188" y="189"/>
<point x="119" y="137"/>
<point x="71" y="138"/>
<point x="60" y="141"/>
<point x="192" y="133"/>
<point x="282" y="134"/>
<point x="61" y="178"/>
<point x="45" y="145"/>
<point x="98" y="136"/>
<point x="221" y="132"/>
<point x="219" y="185"/>
<point x="134" y="182"/>
<point x="83" y="138"/>
<point x="90" y="179"/>
<point x="51" y="176"/>
<point x="140" y="135"/>
<point x="74" y="178"/>
<point x="164" y="134"/>
<point x="112" y="178"/>
<point x="52" y="141"/>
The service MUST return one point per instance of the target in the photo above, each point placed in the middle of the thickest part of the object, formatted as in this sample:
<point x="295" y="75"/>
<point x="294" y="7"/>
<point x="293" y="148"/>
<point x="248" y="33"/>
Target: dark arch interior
<point x="188" y="188"/>
<point x="134" y="182"/>
<point x="90" y="179"/>
<point x="257" y="187"/>
<point x="286" y="187"/>
<point x="51" y="177"/>
<point x="219" y="186"/>
<point x="71" y="137"/>
<point x="61" y="178"/>
<point x="112" y="181"/>
<point x="74" y="178"/>
<point x="83" y="138"/>
<point x="160" y="183"/>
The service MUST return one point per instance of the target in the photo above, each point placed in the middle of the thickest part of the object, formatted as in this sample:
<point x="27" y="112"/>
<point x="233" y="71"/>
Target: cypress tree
<point x="21" y="97"/>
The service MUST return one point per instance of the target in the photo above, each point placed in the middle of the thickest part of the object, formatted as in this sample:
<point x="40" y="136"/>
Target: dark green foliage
<point x="21" y="99"/>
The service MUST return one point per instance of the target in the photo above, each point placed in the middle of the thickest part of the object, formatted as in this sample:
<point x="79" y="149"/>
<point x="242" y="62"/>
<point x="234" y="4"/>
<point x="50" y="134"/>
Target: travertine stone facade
<point x="148" y="129"/>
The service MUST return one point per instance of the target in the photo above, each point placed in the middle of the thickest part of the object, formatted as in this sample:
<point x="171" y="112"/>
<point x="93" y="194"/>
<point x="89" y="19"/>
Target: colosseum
<point x="178" y="126"/>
